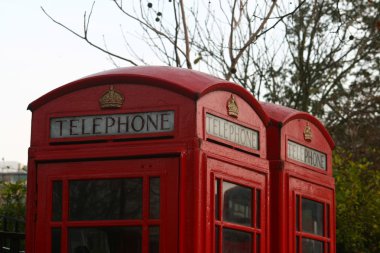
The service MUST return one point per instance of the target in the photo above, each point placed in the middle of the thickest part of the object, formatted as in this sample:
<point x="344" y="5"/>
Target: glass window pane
<point x="56" y="240"/>
<point x="298" y="213"/>
<point x="258" y="213"/>
<point x="235" y="241"/>
<point x="311" y="246"/>
<point x="108" y="199"/>
<point x="105" y="240"/>
<point x="328" y="219"/>
<point x="216" y="203"/>
<point x="57" y="201"/>
<point x="237" y="204"/>
<point x="312" y="217"/>
<point x="154" y="198"/>
<point x="154" y="239"/>
<point x="258" y="243"/>
<point x="217" y="236"/>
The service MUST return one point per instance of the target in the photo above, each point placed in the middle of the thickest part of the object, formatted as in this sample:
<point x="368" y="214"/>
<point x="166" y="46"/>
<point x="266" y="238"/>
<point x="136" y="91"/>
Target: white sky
<point x="37" y="56"/>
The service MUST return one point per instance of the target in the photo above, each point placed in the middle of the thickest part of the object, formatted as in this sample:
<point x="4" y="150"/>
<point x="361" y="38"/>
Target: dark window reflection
<point x="258" y="243"/>
<point x="57" y="201"/>
<point x="328" y="219"/>
<point x="216" y="204"/>
<point x="56" y="240"/>
<point x="312" y="217"/>
<point x="106" y="199"/>
<point x="105" y="240"/>
<point x="237" y="203"/>
<point x="154" y="239"/>
<point x="297" y="213"/>
<point x="311" y="246"/>
<point x="236" y="241"/>
<point x="217" y="234"/>
<point x="154" y="198"/>
<point x="258" y="213"/>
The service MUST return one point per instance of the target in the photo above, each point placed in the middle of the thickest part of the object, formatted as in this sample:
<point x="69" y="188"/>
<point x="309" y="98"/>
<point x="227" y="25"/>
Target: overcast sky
<point x="37" y="56"/>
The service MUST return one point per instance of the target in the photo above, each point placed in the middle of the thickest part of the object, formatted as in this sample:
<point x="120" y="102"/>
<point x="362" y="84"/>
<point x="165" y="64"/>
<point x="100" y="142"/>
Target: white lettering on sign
<point x="116" y="124"/>
<point x="232" y="132"/>
<point x="306" y="155"/>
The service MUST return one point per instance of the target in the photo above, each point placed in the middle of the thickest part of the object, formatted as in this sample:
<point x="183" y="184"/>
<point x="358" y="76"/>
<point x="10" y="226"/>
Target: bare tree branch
<point x="251" y="39"/>
<point x="186" y="33"/>
<point x="148" y="26"/>
<point x="85" y="38"/>
<point x="281" y="18"/>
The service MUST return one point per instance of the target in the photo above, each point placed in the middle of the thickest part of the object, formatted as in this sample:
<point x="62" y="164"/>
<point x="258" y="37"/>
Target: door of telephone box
<point x="110" y="206"/>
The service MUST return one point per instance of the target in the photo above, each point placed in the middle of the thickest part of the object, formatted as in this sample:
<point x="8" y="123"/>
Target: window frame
<point x="298" y="230"/>
<point x="256" y="232"/>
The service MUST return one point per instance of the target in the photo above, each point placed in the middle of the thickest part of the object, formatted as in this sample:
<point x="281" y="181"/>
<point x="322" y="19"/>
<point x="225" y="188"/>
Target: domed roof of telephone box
<point x="283" y="115"/>
<point x="190" y="83"/>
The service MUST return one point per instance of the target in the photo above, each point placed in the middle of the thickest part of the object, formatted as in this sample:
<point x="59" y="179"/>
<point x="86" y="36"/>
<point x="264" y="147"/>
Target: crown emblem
<point x="307" y="135"/>
<point x="111" y="99"/>
<point x="232" y="107"/>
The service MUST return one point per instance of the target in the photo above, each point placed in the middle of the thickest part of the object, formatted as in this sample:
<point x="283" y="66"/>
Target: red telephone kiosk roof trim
<point x="190" y="83"/>
<point x="283" y="115"/>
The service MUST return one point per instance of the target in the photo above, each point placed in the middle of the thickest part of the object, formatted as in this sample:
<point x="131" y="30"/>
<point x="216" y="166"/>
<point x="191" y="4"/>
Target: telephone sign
<point x="306" y="155"/>
<point x="230" y="131"/>
<point x="115" y="124"/>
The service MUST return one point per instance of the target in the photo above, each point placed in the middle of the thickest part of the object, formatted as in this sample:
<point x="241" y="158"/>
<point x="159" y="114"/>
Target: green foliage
<point x="358" y="204"/>
<point x="12" y="201"/>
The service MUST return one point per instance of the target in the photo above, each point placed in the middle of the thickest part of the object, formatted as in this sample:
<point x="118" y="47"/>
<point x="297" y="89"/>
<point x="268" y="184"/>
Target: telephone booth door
<point x="311" y="217"/>
<point x="108" y="206"/>
<point x="239" y="217"/>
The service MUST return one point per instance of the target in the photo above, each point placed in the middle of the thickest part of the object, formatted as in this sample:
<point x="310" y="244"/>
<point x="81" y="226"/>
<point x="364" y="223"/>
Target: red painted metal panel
<point x="190" y="83"/>
<point x="216" y="102"/>
<point x="283" y="115"/>
<point x="138" y="98"/>
<point x="293" y="174"/>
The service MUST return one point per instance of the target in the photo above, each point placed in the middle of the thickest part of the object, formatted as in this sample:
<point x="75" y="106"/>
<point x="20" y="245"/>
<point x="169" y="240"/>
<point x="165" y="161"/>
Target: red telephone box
<point x="148" y="159"/>
<point x="302" y="186"/>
